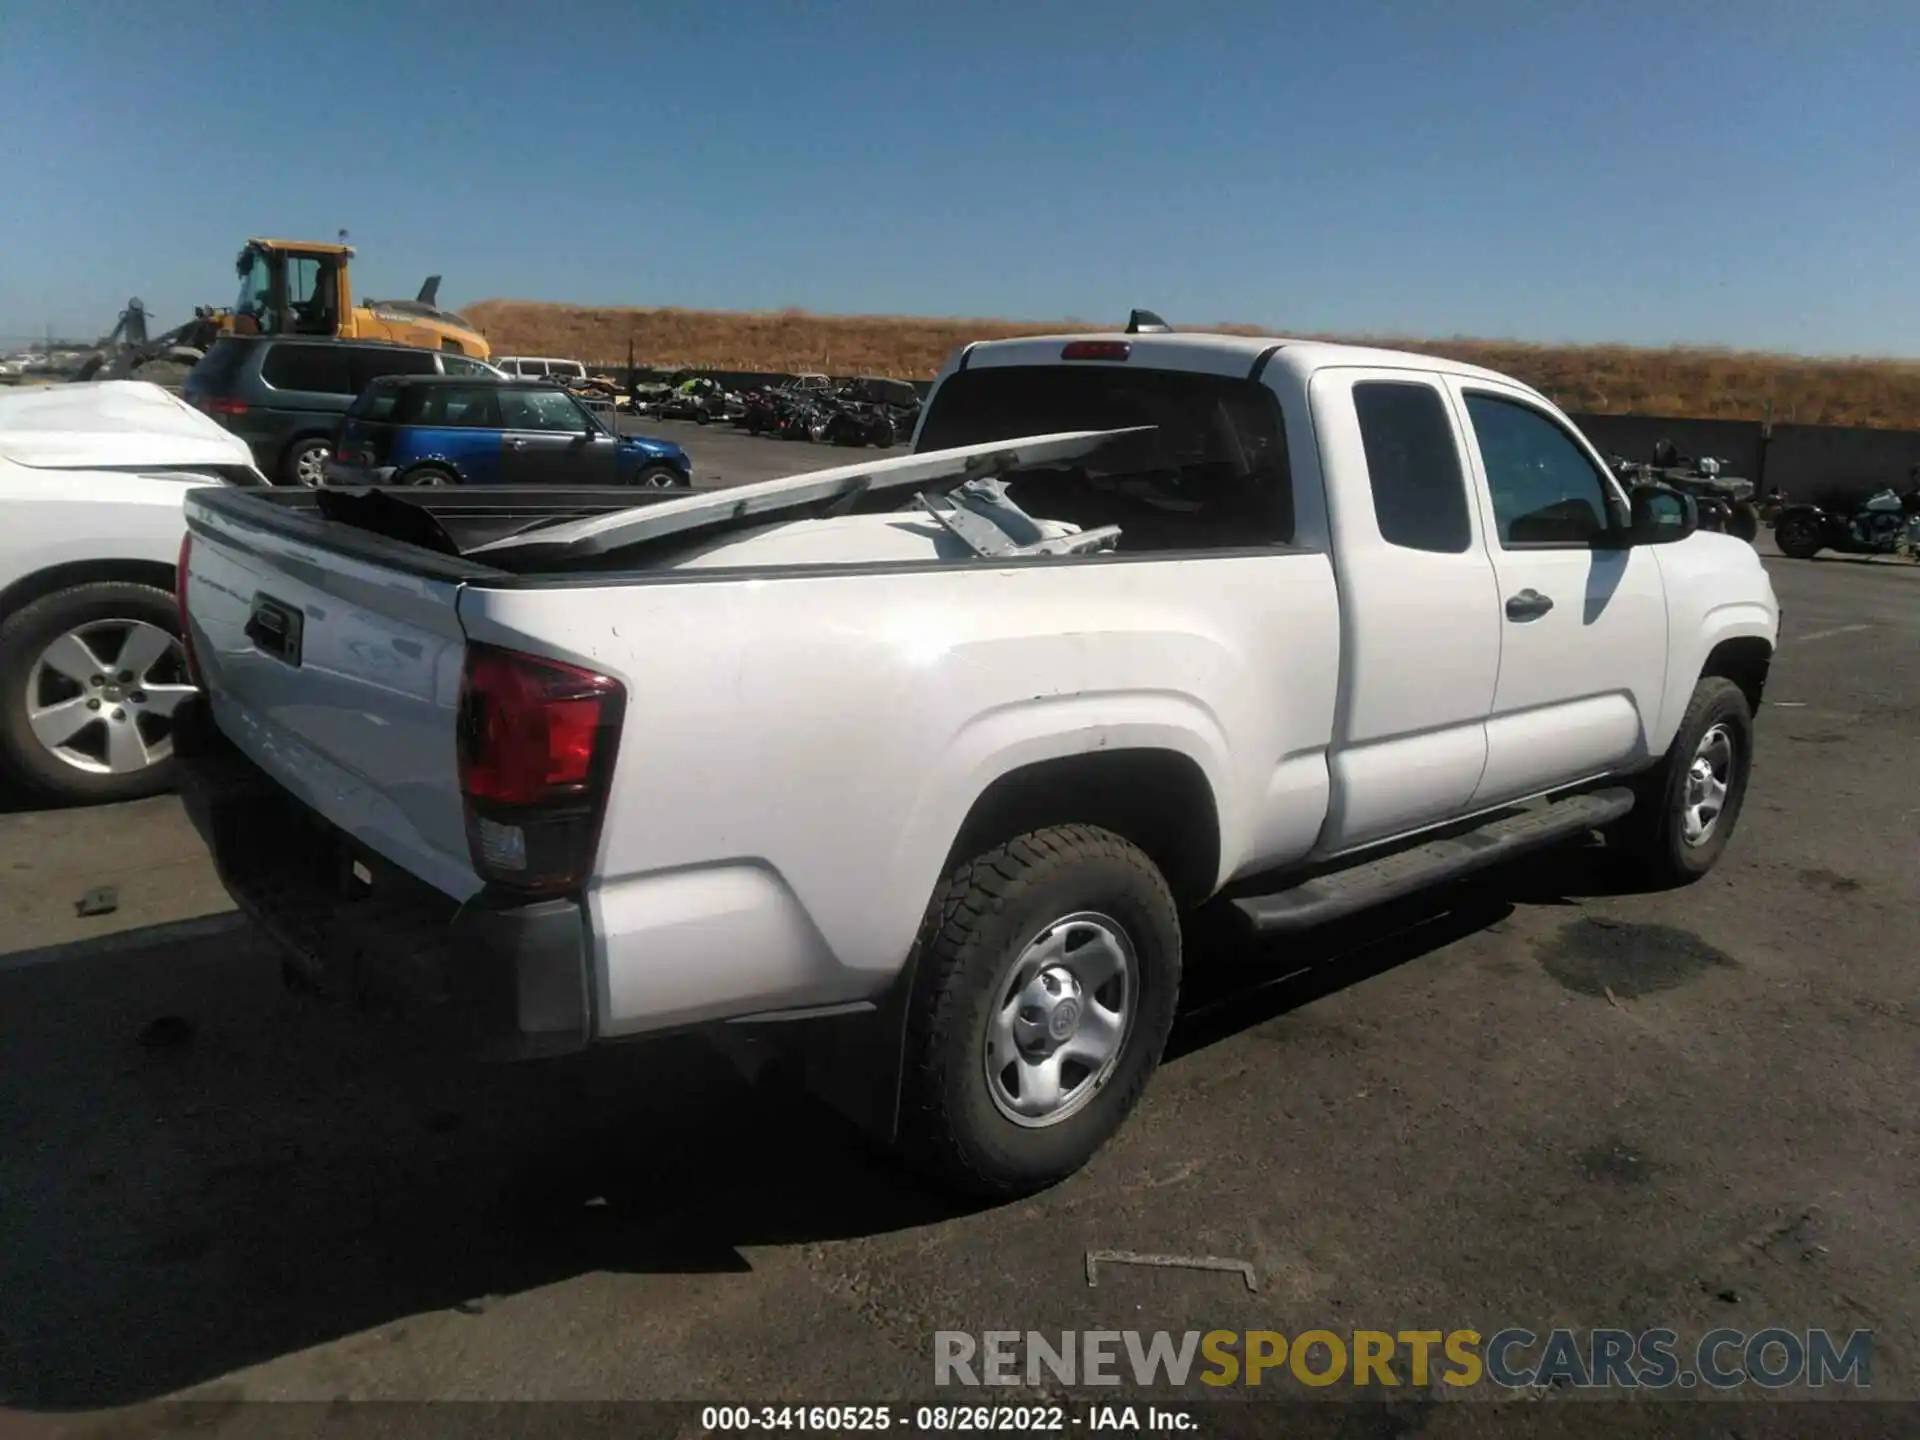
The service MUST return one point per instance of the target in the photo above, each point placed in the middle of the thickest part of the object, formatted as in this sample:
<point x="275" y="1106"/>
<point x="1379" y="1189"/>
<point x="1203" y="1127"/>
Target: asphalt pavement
<point x="725" y="456"/>
<point x="1532" y="1102"/>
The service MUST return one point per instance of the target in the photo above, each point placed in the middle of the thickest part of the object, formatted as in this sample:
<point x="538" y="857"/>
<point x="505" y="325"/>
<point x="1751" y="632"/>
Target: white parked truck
<point x="915" y="767"/>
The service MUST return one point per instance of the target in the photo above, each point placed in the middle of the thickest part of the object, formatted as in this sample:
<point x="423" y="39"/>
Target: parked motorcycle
<point x="1724" y="503"/>
<point x="1884" y="524"/>
<point x="841" y="421"/>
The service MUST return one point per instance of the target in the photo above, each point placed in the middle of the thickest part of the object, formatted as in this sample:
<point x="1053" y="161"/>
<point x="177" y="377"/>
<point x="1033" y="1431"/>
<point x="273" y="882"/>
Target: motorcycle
<point x="1724" y="503"/>
<point x="1884" y="524"/>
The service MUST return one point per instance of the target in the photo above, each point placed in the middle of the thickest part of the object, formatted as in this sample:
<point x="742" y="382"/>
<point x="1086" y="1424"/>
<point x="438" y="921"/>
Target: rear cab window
<point x="1213" y="474"/>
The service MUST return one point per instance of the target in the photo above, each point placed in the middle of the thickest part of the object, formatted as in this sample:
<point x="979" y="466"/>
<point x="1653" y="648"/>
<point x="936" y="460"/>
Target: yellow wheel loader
<point x="300" y="287"/>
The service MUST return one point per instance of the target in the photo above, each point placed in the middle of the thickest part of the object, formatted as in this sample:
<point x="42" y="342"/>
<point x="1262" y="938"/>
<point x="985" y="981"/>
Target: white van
<point x="536" y="367"/>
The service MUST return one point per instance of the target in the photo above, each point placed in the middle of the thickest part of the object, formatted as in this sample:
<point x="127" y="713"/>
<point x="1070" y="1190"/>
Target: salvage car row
<point x="862" y="410"/>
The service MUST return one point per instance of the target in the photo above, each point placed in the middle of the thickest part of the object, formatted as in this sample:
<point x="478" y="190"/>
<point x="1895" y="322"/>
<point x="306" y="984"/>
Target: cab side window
<point x="1545" y="489"/>
<point x="1413" y="466"/>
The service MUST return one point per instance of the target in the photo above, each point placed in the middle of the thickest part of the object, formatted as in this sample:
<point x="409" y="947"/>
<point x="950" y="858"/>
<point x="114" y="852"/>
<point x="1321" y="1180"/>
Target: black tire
<point x="1798" y="537"/>
<point x="301" y="456"/>
<point x="1744" y="522"/>
<point x="24" y="638"/>
<point x="984" y="917"/>
<point x="430" y="475"/>
<point x="1651" y="841"/>
<point x="656" y="477"/>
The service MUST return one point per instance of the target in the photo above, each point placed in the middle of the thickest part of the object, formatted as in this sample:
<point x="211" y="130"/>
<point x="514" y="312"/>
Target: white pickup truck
<point x="914" y="767"/>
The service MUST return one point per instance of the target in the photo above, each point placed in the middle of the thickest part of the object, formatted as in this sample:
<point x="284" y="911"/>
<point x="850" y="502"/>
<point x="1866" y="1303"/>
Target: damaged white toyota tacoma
<point x="915" y="767"/>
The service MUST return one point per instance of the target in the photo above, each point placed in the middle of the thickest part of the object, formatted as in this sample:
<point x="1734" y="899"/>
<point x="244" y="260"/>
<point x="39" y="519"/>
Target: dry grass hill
<point x="1601" y="379"/>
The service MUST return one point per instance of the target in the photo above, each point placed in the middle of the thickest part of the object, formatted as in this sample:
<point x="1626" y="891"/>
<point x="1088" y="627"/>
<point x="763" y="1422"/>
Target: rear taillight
<point x="219" y="405"/>
<point x="536" y="746"/>
<point x="1096" y="350"/>
<point x="180" y="595"/>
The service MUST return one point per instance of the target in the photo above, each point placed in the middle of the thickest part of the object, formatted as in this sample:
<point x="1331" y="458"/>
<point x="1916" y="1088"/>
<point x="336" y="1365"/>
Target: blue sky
<point x="1742" y="173"/>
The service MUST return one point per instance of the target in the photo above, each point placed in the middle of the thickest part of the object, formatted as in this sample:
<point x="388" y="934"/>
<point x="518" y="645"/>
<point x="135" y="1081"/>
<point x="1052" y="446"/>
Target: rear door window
<point x="464" y="406"/>
<point x="318" y="368"/>
<point x="219" y="366"/>
<point x="1413" y="466"/>
<point x="1211" y="474"/>
<point x="371" y="364"/>
<point x="376" y="402"/>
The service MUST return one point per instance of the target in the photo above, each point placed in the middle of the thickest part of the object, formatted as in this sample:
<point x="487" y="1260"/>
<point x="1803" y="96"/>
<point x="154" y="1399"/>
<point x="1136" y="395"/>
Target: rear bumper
<point x="498" y="978"/>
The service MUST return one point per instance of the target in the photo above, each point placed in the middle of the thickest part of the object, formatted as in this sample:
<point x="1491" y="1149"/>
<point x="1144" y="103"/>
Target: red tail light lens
<point x="220" y="406"/>
<point x="1096" y="350"/>
<point x="536" y="746"/>
<point x="180" y="596"/>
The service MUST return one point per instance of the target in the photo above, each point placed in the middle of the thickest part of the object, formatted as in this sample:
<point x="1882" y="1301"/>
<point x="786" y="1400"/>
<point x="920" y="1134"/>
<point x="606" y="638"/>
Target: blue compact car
<point x="443" y="430"/>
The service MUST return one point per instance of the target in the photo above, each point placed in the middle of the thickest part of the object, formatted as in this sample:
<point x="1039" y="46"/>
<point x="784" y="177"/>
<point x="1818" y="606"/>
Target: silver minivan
<point x="539" y="367"/>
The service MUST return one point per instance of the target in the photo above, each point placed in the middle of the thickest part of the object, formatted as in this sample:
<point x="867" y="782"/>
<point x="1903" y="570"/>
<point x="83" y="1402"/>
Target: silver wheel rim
<point x="659" y="480"/>
<point x="101" y="697"/>
<point x="310" y="466"/>
<point x="1709" y="778"/>
<point x="1062" y="1014"/>
<point x="430" y="477"/>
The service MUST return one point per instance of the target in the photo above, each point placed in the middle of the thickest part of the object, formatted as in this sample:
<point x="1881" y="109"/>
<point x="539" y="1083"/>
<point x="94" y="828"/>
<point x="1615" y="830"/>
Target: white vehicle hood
<point x="111" y="425"/>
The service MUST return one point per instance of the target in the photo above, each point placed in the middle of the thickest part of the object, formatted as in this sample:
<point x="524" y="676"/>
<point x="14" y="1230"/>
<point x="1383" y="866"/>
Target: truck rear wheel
<point x="1047" y="973"/>
<point x="1685" y="808"/>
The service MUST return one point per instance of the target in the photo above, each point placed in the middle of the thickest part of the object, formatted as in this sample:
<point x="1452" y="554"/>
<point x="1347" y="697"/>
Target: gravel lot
<point x="1532" y="1103"/>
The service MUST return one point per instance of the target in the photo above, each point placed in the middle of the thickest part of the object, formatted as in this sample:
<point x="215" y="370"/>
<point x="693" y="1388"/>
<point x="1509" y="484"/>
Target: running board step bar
<point x="1346" y="892"/>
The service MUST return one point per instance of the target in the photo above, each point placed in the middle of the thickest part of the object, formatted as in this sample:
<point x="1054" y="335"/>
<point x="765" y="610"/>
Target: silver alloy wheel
<point x="1709" y="776"/>
<point x="310" y="469"/>
<point x="101" y="697"/>
<point x="1063" y="1011"/>
<point x="660" y="480"/>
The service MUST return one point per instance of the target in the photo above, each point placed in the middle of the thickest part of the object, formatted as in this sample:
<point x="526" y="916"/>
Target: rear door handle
<point x="1527" y="605"/>
<point x="516" y="444"/>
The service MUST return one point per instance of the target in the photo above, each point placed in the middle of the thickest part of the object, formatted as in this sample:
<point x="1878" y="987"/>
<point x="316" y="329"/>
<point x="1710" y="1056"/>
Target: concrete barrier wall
<point x="1736" y="443"/>
<point x="1840" y="468"/>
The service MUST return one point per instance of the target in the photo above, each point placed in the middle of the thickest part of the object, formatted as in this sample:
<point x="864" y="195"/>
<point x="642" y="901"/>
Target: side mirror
<point x="1660" y="515"/>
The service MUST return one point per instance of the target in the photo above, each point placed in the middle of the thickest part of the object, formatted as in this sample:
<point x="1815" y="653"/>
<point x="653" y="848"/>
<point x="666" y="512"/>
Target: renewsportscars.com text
<point x="1515" y="1358"/>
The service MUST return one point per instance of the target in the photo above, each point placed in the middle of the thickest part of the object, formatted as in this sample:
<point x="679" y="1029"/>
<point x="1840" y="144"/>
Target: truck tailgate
<point x="340" y="678"/>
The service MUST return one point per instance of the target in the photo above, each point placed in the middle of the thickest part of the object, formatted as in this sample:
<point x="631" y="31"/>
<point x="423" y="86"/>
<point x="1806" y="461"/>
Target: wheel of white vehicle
<point x="656" y="477"/>
<point x="1045" y="981"/>
<point x="306" y="462"/>
<point x="89" y="680"/>
<point x="1686" y="808"/>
